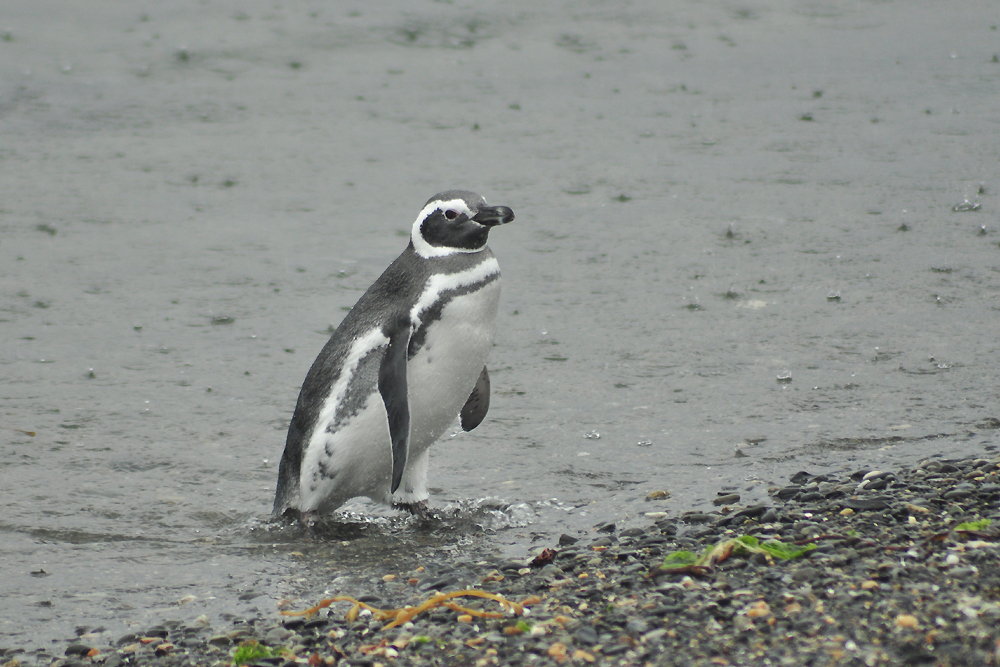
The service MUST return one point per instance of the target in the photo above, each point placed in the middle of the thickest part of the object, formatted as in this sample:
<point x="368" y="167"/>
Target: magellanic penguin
<point x="408" y="358"/>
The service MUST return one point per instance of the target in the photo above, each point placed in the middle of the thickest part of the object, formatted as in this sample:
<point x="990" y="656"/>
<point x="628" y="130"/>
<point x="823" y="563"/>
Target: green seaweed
<point x="744" y="545"/>
<point x="252" y="651"/>
<point x="974" y="526"/>
<point x="680" y="559"/>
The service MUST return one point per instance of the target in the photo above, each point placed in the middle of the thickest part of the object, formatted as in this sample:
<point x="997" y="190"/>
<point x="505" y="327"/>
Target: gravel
<point x="893" y="581"/>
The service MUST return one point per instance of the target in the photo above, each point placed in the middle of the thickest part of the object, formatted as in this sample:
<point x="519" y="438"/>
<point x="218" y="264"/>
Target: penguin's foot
<point x="418" y="509"/>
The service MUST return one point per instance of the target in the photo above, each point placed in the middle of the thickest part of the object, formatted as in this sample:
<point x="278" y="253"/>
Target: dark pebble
<point x="800" y="477"/>
<point x="960" y="492"/>
<point x="78" y="649"/>
<point x="615" y="649"/>
<point x="803" y="574"/>
<point x="157" y="631"/>
<point x="788" y="492"/>
<point x="586" y="635"/>
<point x="637" y="626"/>
<point x="866" y="504"/>
<point x="566" y="540"/>
<point x="753" y="511"/>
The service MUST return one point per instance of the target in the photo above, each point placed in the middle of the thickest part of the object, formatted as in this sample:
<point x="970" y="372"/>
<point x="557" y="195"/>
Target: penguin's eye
<point x="451" y="215"/>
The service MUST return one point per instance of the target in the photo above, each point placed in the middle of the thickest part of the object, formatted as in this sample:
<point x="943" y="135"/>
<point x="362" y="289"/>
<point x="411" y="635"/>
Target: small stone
<point x="959" y="492"/>
<point x="77" y="649"/>
<point x="439" y="584"/>
<point x="654" y="635"/>
<point x="867" y="504"/>
<point x="586" y="635"/>
<point x="788" y="492"/>
<point x="806" y="574"/>
<point x="907" y="621"/>
<point x="557" y="652"/>
<point x="727" y="499"/>
<point x="566" y="540"/>
<point x="276" y="636"/>
<point x="770" y="516"/>
<point x="164" y="648"/>
<point x="637" y="626"/>
<point x="758" y="609"/>
<point x="754" y="511"/>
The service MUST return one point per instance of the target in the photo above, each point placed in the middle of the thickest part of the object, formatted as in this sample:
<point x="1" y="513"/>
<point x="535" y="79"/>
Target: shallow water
<point x="708" y="197"/>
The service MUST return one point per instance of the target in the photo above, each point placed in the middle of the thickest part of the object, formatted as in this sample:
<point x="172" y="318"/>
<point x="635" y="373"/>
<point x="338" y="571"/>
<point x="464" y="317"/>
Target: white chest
<point x="443" y="372"/>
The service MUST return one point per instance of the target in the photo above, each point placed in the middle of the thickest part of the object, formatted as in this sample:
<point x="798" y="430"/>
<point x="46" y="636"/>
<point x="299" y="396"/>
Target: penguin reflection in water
<point x="406" y="360"/>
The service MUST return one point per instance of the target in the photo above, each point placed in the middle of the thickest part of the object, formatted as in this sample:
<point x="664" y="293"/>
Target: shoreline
<point x="891" y="581"/>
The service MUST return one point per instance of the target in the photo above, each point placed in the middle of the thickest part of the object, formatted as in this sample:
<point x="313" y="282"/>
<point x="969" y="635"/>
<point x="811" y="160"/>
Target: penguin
<point x="407" y="359"/>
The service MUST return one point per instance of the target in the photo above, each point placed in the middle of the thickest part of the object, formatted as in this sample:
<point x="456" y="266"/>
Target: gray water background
<point x="191" y="193"/>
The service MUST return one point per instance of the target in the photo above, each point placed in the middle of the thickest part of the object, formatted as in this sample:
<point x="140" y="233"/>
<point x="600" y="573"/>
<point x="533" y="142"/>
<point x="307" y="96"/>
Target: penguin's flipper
<point x="392" y="387"/>
<point x="478" y="405"/>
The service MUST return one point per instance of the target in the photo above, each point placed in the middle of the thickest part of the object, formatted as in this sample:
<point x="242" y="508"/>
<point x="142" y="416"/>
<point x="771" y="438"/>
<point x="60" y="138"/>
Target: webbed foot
<point x="417" y="509"/>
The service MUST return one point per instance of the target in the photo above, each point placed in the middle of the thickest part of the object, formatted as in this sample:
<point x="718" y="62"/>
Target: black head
<point x="455" y="221"/>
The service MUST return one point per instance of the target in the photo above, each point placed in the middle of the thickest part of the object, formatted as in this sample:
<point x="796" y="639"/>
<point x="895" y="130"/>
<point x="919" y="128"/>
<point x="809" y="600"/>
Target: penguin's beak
<point x="491" y="216"/>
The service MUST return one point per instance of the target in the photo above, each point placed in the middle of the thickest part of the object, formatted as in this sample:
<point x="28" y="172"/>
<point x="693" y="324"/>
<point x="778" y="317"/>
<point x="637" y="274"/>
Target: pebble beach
<point x="899" y="567"/>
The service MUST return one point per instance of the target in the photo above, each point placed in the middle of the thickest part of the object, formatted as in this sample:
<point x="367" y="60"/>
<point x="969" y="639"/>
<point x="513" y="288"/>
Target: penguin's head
<point x="455" y="221"/>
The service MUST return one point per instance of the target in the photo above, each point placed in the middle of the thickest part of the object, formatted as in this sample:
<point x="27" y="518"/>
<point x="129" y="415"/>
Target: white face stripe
<point x="441" y="282"/>
<point x="425" y="249"/>
<point x="362" y="346"/>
